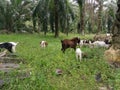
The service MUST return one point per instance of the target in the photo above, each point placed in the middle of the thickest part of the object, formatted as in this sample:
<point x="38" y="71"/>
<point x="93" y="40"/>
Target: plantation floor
<point x="42" y="63"/>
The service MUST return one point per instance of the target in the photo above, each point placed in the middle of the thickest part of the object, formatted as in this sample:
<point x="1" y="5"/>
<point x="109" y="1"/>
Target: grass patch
<point x="43" y="63"/>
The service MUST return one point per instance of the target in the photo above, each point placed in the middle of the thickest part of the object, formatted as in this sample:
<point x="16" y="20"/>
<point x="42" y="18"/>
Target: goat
<point x="43" y="44"/>
<point x="10" y="46"/>
<point x="85" y="42"/>
<point x="69" y="43"/>
<point x="100" y="44"/>
<point x="78" y="54"/>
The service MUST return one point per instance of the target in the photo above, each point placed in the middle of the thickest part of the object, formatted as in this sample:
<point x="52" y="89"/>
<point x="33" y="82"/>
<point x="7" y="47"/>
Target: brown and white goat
<point x="43" y="44"/>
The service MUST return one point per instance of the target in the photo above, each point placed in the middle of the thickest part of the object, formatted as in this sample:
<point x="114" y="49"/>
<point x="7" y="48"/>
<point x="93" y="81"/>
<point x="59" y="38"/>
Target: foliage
<point x="65" y="15"/>
<point x="57" y="14"/>
<point x="15" y="13"/>
<point x="81" y="4"/>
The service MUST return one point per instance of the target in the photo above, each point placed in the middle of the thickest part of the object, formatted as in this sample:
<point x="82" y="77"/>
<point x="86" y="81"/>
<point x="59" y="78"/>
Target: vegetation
<point x="49" y="16"/>
<point x="42" y="63"/>
<point x="31" y="21"/>
<point x="115" y="39"/>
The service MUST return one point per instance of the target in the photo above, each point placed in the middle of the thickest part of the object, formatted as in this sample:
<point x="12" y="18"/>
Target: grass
<point x="43" y="62"/>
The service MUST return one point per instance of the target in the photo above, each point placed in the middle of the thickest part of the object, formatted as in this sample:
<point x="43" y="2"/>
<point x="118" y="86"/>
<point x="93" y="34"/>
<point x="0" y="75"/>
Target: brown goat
<point x="69" y="43"/>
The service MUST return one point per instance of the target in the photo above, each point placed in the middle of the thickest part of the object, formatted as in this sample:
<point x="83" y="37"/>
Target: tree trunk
<point x="91" y="20"/>
<point x="67" y="22"/>
<point x="56" y="18"/>
<point x="52" y="22"/>
<point x="82" y="20"/>
<point x="82" y="8"/>
<point x="99" y="29"/>
<point x="113" y="54"/>
<point x="34" y="25"/>
<point x="8" y="19"/>
<point x="39" y="29"/>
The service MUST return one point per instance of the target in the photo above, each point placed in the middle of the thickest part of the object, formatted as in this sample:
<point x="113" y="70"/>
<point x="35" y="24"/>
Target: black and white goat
<point x="85" y="42"/>
<point x="10" y="46"/>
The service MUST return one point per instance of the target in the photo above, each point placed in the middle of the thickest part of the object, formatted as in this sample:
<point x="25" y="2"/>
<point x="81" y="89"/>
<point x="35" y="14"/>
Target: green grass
<point x="43" y="62"/>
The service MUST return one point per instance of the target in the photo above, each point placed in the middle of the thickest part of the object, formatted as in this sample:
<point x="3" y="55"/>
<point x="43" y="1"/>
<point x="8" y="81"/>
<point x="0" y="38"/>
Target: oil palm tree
<point x="15" y="13"/>
<point x="99" y="29"/>
<point x="56" y="4"/>
<point x="113" y="53"/>
<point x="21" y="13"/>
<point x="81" y="4"/>
<point x="116" y="29"/>
<point x="40" y="14"/>
<point x="55" y="13"/>
<point x="5" y="15"/>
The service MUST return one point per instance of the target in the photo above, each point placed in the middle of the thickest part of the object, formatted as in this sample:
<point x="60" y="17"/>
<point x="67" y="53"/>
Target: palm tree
<point x="116" y="29"/>
<point x="22" y="13"/>
<point x="110" y="10"/>
<point x="81" y="4"/>
<point x="6" y="15"/>
<point x="110" y="16"/>
<point x="15" y="13"/>
<point x="51" y="16"/>
<point x="113" y="53"/>
<point x="100" y="6"/>
<point x="54" y="13"/>
<point x="90" y="15"/>
<point x="56" y="3"/>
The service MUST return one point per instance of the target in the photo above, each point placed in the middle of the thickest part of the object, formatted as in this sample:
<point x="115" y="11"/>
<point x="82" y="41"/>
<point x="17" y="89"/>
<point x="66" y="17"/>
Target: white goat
<point x="100" y="44"/>
<point x="78" y="54"/>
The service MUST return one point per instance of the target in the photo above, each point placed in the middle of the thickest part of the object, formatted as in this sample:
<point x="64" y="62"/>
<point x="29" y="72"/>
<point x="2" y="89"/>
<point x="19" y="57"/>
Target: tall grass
<point x="43" y="62"/>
